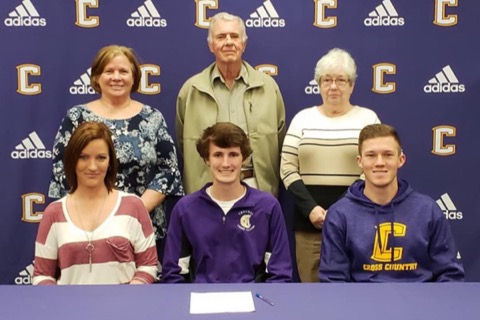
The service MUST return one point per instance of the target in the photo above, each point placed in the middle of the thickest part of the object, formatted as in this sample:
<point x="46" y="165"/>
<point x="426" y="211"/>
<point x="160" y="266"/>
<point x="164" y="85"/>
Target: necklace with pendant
<point x="90" y="246"/>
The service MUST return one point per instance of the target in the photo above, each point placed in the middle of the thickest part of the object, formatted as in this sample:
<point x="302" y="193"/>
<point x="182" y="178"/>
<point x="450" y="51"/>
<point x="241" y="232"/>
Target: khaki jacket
<point x="197" y="109"/>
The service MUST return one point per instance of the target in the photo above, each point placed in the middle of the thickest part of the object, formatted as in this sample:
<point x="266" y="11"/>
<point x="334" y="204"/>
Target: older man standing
<point x="231" y="90"/>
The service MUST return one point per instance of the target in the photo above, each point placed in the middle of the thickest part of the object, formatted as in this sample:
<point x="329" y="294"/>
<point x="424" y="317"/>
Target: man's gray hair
<point x="225" y="16"/>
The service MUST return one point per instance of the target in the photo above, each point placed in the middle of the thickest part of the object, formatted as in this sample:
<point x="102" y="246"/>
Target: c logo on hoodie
<point x="245" y="224"/>
<point x="382" y="252"/>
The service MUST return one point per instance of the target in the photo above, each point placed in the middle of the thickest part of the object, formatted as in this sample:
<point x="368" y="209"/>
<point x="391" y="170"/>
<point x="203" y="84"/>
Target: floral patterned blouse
<point x="145" y="152"/>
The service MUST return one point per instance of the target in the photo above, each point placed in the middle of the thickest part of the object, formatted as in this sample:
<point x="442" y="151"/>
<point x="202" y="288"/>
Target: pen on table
<point x="259" y="296"/>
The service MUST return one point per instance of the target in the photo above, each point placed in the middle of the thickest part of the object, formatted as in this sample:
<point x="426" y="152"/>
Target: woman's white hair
<point x="336" y="60"/>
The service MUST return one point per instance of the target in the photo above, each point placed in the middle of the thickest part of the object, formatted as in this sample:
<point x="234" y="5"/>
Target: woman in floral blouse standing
<point x="148" y="164"/>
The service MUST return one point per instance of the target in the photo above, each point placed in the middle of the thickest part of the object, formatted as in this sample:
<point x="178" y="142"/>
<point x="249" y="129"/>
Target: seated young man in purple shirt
<point x="382" y="230"/>
<point x="227" y="231"/>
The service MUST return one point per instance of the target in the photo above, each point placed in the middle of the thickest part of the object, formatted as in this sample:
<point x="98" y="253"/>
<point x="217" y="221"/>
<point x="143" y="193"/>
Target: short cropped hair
<point x="378" y="130"/>
<point x="224" y="135"/>
<point x="224" y="16"/>
<point x="81" y="137"/>
<point x="105" y="55"/>
<point x="336" y="59"/>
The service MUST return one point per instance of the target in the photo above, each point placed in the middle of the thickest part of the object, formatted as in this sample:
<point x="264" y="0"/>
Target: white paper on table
<point x="221" y="302"/>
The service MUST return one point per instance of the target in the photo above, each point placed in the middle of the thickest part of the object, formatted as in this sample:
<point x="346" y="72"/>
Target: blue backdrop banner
<point x="418" y="68"/>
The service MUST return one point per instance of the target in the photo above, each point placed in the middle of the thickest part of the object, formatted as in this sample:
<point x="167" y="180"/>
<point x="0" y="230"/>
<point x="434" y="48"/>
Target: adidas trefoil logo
<point x="449" y="210"/>
<point x="444" y="82"/>
<point x="265" y="16"/>
<point x="146" y="16"/>
<point x="25" y="15"/>
<point x="31" y="148"/>
<point x="312" y="87"/>
<point x="82" y="84"/>
<point x="384" y="15"/>
<point x="25" y="276"/>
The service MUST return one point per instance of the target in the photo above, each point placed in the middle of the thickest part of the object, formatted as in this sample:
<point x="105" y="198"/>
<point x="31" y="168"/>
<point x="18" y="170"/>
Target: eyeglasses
<point x="340" y="82"/>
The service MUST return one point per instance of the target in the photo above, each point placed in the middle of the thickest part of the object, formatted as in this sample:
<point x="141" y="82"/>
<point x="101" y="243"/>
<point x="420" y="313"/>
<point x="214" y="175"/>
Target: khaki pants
<point x="307" y="245"/>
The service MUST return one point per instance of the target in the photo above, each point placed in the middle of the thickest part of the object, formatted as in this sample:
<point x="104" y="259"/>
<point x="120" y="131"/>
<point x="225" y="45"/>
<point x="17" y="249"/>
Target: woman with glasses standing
<point x="319" y="155"/>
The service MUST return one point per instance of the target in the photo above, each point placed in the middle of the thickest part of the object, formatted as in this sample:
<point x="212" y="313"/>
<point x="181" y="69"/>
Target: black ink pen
<point x="259" y="296"/>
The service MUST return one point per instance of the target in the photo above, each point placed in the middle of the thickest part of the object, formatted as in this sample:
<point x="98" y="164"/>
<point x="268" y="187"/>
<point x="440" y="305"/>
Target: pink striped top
<point x="124" y="246"/>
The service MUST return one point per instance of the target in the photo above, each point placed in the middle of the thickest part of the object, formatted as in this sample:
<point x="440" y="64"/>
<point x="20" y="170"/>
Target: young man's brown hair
<point x="224" y="135"/>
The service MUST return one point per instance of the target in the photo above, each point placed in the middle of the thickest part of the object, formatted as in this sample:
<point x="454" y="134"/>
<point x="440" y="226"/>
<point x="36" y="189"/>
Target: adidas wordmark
<point x="25" y="276"/>
<point x="82" y="84"/>
<point x="265" y="17"/>
<point x="384" y="14"/>
<point x="25" y="15"/>
<point x="146" y="16"/>
<point x="448" y="207"/>
<point x="31" y="148"/>
<point x="444" y="81"/>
